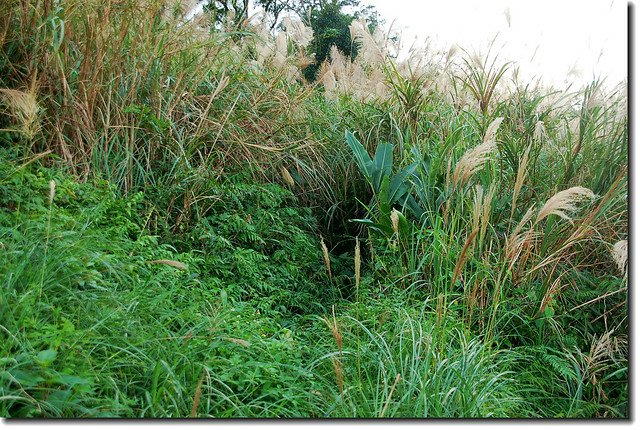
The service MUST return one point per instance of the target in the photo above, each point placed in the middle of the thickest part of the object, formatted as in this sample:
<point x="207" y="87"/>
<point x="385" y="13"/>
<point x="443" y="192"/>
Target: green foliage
<point x="387" y="189"/>
<point x="259" y="243"/>
<point x="330" y="28"/>
<point x="161" y="218"/>
<point x="91" y="327"/>
<point x="396" y="362"/>
<point x="225" y="10"/>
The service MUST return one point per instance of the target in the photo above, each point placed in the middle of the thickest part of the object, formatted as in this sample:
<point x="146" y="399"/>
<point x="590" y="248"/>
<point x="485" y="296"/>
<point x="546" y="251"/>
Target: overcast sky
<point x="548" y="38"/>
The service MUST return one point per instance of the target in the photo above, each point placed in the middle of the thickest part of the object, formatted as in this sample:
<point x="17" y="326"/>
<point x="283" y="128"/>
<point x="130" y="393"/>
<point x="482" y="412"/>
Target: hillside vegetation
<point x="189" y="227"/>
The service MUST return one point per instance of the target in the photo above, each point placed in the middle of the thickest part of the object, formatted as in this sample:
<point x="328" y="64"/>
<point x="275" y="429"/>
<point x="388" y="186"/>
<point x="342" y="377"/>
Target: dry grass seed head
<point x="462" y="258"/>
<point x="539" y="132"/>
<point x="522" y="170"/>
<point x="564" y="202"/>
<point x="328" y="80"/>
<point x="395" y="218"/>
<point x="280" y="54"/>
<point x="335" y="329"/>
<point x="603" y="351"/>
<point x="287" y="177"/>
<point x="297" y="32"/>
<point x="52" y="191"/>
<point x="492" y="130"/>
<point x="23" y="108"/>
<point x="371" y="46"/>
<point x="325" y="254"/>
<point x="472" y="161"/>
<point x="337" y="368"/>
<point x="620" y="255"/>
<point x="173" y="263"/>
<point x="516" y="239"/>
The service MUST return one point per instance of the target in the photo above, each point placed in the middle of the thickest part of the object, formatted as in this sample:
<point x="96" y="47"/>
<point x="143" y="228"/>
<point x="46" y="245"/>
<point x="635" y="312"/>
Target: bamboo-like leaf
<point x="398" y="185"/>
<point x="383" y="197"/>
<point x="385" y="230"/>
<point x="382" y="164"/>
<point x="362" y="156"/>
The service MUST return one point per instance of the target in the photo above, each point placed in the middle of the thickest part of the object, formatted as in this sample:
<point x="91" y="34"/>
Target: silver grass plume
<point x="564" y="202"/>
<point x="620" y="254"/>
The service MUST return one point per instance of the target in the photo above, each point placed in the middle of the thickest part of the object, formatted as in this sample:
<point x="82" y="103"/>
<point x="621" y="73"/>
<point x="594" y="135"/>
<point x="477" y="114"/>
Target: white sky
<point x="588" y="36"/>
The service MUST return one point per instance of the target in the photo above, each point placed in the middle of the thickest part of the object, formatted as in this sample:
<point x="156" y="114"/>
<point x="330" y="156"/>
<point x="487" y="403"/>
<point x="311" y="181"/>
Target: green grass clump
<point x="96" y="321"/>
<point x="398" y="362"/>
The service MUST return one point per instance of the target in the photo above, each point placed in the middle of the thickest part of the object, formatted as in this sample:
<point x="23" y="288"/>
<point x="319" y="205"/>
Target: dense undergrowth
<point x="189" y="228"/>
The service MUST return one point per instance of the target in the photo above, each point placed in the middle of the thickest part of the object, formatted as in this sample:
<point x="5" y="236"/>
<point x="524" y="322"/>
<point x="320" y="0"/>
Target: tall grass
<point x="489" y="274"/>
<point x="412" y="366"/>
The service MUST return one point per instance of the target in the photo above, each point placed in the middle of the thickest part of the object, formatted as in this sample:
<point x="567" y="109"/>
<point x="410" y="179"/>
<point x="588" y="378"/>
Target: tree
<point x="223" y="9"/>
<point x="330" y="27"/>
<point x="275" y="8"/>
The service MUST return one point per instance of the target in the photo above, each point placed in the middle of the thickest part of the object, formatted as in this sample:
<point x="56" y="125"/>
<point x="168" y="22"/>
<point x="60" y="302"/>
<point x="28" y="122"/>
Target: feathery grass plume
<point x="23" y="108"/>
<point x="462" y="258"/>
<point x="328" y="80"/>
<point x="287" y="177"/>
<point x="237" y="341"/>
<point x="302" y="61"/>
<point x="453" y="50"/>
<point x="297" y="32"/>
<point x="197" y="395"/>
<point x="362" y="78"/>
<point x="492" y="129"/>
<point x="563" y="203"/>
<point x="516" y="240"/>
<point x="371" y="47"/>
<point x="265" y="47"/>
<point x="395" y="218"/>
<point x="280" y="54"/>
<point x="481" y="78"/>
<point x="382" y="91"/>
<point x="356" y="263"/>
<point x="325" y="254"/>
<point x="486" y="210"/>
<point x="173" y="263"/>
<point x="507" y="15"/>
<point x="335" y="329"/>
<point x="471" y="162"/>
<point x="522" y="171"/>
<point x="337" y="368"/>
<point x="549" y="295"/>
<point x="605" y="350"/>
<point x="52" y="191"/>
<point x="620" y="255"/>
<point x="339" y="63"/>
<point x="476" y="60"/>
<point x="539" y="132"/>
